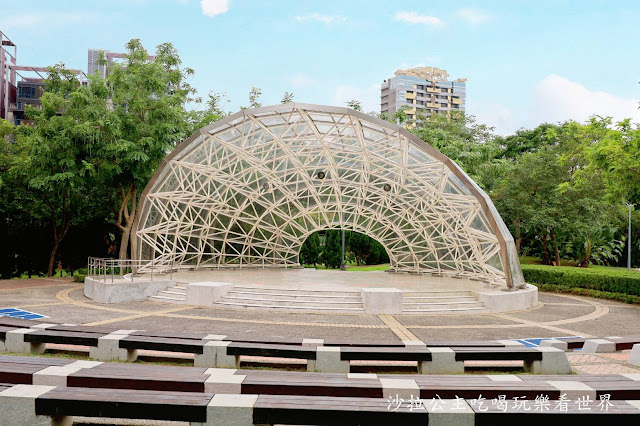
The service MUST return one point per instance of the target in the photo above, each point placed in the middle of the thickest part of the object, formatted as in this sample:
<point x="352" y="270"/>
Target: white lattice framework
<point x="249" y="189"/>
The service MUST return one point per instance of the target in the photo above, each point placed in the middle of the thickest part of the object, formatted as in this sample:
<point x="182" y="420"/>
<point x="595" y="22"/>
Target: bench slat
<point x="276" y="351"/>
<point x="63" y="337"/>
<point x="129" y="404"/>
<point x="162" y="344"/>
<point x="384" y="354"/>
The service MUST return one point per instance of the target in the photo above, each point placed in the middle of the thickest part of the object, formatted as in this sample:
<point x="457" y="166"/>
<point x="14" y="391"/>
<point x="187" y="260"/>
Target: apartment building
<point x="425" y="89"/>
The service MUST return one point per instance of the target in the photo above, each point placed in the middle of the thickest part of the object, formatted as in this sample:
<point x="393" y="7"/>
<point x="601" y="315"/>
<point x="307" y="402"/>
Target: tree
<point x="213" y="112"/>
<point x="355" y="105"/>
<point x="254" y="97"/>
<point x="310" y="250"/>
<point x="57" y="154"/>
<point x="147" y="97"/>
<point x="360" y="245"/>
<point x="461" y="138"/>
<point x="331" y="253"/>
<point x="287" y="98"/>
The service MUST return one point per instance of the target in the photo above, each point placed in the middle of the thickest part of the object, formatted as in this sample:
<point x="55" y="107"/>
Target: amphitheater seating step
<point x="254" y="297"/>
<point x="441" y="302"/>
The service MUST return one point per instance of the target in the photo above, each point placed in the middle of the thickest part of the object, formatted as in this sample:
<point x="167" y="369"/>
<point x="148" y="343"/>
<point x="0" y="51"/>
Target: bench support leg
<point x="233" y="410"/>
<point x="15" y="342"/>
<point x="328" y="361"/>
<point x="443" y="361"/>
<point x="214" y="355"/>
<point x="108" y="349"/>
<point x="62" y="421"/>
<point x="18" y="405"/>
<point x="554" y="361"/>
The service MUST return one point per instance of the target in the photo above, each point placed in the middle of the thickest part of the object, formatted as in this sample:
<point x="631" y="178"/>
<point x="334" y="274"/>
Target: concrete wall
<point x="123" y="291"/>
<point x="205" y="293"/>
<point x="504" y="301"/>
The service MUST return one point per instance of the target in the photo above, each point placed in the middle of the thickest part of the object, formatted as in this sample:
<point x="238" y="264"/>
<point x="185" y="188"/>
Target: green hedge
<point x="613" y="281"/>
<point x="79" y="275"/>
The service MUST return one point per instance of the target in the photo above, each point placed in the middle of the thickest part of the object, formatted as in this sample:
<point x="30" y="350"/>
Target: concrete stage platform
<point x="309" y="290"/>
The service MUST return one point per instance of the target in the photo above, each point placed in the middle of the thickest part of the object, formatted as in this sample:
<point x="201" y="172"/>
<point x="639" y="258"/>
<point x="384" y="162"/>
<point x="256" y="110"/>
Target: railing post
<point x="152" y="269"/>
<point x="111" y="269"/>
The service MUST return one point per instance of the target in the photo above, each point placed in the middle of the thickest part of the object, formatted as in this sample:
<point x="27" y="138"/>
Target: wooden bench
<point x="305" y="410"/>
<point x="123" y="403"/>
<point x="61" y="403"/>
<point x="20" y="370"/>
<point x="140" y="377"/>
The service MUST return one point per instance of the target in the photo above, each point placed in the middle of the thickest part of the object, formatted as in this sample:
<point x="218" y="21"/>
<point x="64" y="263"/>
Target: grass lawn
<point x="354" y="267"/>
<point x="532" y="260"/>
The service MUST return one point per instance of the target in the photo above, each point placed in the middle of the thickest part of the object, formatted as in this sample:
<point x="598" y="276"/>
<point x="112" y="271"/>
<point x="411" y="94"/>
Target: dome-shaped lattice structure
<point x="249" y="189"/>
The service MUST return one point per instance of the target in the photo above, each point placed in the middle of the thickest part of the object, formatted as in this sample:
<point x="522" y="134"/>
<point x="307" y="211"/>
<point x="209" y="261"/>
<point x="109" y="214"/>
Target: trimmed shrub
<point x="621" y="282"/>
<point x="79" y="275"/>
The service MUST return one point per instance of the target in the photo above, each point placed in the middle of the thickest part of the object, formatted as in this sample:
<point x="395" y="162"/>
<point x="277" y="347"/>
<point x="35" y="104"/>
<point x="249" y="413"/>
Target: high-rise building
<point x="21" y="85"/>
<point x="425" y="89"/>
<point x="110" y="58"/>
<point x="8" y="89"/>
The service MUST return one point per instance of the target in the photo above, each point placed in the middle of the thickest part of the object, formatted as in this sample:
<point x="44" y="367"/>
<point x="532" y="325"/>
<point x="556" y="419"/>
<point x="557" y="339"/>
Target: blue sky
<point x="526" y="61"/>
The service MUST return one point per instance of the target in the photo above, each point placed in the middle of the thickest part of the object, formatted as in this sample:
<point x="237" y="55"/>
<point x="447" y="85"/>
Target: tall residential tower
<point x="424" y="88"/>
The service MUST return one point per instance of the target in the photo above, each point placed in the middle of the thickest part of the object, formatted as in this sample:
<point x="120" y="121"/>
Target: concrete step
<point x="274" y="296"/>
<point x="455" y="311"/>
<point x="290" y="291"/>
<point x="439" y="299"/>
<point x="172" y="292"/>
<point x="437" y="293"/>
<point x="293" y="302"/>
<point x="166" y="299"/>
<point x="443" y="305"/>
<point x="332" y="308"/>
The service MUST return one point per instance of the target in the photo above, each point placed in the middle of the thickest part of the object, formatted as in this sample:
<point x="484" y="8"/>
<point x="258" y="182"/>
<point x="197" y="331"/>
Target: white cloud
<point x="39" y="20"/>
<point x="556" y="98"/>
<point x="416" y="18"/>
<point x="214" y="7"/>
<point x="318" y="17"/>
<point x="301" y="81"/>
<point x="368" y="96"/>
<point x="495" y="115"/>
<point x="473" y="16"/>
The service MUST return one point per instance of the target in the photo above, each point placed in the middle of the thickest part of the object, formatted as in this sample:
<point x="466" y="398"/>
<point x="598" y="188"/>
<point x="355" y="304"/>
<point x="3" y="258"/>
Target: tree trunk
<point x="519" y="234"/>
<point x="52" y="258"/>
<point x="124" y="243"/>
<point x="58" y="233"/>
<point x="556" y="252"/>
<point x="545" y="251"/>
<point x="126" y="216"/>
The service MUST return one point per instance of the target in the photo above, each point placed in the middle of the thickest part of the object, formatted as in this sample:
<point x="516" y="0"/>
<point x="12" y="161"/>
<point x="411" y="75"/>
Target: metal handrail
<point x="103" y="269"/>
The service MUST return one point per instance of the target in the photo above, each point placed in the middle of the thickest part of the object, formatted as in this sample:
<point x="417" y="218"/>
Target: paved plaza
<point x="63" y="301"/>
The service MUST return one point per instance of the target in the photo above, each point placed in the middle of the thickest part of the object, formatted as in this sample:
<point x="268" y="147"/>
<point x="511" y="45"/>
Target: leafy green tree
<point x="615" y="155"/>
<point x="459" y="137"/>
<point x="355" y="105"/>
<point x="146" y="97"/>
<point x="331" y="253"/>
<point x="287" y="98"/>
<point x="310" y="250"/>
<point x="360" y="245"/>
<point x="213" y="111"/>
<point x="254" y="97"/>
<point x="56" y="161"/>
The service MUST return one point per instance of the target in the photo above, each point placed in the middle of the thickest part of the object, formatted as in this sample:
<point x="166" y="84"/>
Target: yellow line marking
<point x="399" y="329"/>
<point x="132" y="317"/>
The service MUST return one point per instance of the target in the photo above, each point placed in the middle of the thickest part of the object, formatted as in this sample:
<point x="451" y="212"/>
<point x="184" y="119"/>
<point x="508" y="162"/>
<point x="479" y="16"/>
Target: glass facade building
<point x="424" y="89"/>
